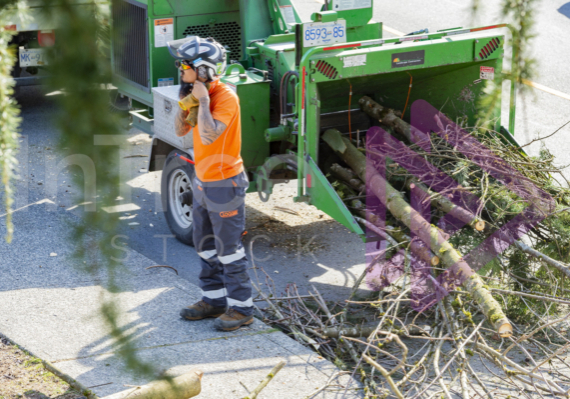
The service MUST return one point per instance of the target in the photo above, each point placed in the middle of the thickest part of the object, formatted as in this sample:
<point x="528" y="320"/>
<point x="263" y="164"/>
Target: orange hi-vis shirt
<point x="221" y="159"/>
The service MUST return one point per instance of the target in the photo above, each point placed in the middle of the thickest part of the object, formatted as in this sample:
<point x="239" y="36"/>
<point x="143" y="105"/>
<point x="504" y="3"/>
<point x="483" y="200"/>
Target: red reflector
<point x="488" y="27"/>
<point x="46" y="38"/>
<point x="339" y="47"/>
<point x="309" y="180"/>
<point x="10" y="27"/>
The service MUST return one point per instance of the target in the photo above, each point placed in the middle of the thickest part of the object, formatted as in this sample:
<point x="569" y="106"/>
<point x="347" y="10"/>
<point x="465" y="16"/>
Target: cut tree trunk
<point x="418" y="249"/>
<point x="185" y="386"/>
<point x="429" y="234"/>
<point x="394" y="236"/>
<point x="445" y="205"/>
<point x="348" y="176"/>
<point x="365" y="331"/>
<point x="386" y="116"/>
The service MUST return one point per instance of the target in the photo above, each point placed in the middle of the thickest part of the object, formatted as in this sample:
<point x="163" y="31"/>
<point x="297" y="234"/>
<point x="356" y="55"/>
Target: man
<point x="219" y="185"/>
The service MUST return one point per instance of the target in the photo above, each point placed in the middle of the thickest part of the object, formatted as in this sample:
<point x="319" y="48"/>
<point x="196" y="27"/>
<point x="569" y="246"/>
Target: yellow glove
<point x="191" y="104"/>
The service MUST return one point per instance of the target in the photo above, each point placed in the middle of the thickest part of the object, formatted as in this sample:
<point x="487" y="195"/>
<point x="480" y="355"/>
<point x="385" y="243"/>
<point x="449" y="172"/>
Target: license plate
<point x="324" y="33"/>
<point x="32" y="57"/>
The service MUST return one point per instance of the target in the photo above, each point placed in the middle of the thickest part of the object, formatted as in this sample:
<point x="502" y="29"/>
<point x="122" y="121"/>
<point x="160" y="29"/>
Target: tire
<point x="177" y="176"/>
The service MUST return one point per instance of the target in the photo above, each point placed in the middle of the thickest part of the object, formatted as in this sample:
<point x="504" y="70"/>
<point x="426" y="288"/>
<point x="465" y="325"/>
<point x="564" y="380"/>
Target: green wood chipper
<point x="295" y="79"/>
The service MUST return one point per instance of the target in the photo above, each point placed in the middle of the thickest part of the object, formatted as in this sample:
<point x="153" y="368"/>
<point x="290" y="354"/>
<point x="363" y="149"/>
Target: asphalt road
<point x="307" y="248"/>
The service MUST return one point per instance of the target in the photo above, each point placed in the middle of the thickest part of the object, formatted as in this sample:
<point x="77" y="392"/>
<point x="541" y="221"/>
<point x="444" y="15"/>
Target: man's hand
<point x="200" y="91"/>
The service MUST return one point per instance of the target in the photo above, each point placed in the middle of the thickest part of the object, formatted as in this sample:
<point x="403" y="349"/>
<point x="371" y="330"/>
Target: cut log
<point x="445" y="205"/>
<point x="416" y="247"/>
<point x="365" y="331"/>
<point x="185" y="386"/>
<point x="386" y="116"/>
<point x="392" y="199"/>
<point x="348" y="176"/>
<point x="394" y="236"/>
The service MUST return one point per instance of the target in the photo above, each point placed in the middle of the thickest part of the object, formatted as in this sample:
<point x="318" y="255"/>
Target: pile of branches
<point x="470" y="295"/>
<point x="448" y="351"/>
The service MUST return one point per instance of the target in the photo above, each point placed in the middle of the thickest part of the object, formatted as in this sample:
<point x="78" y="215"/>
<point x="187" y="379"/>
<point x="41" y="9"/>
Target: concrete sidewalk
<point x="52" y="310"/>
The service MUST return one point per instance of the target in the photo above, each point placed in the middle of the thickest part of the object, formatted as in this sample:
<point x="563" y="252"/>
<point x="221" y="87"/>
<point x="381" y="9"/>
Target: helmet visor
<point x="184" y="49"/>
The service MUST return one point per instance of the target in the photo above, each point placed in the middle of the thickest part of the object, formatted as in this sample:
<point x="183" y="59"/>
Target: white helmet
<point x="200" y="52"/>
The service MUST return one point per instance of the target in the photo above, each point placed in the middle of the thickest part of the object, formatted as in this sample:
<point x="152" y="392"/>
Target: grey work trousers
<point x="219" y="222"/>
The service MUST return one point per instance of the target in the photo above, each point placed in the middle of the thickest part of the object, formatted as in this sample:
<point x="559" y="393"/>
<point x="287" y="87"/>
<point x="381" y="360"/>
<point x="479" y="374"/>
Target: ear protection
<point x="205" y="73"/>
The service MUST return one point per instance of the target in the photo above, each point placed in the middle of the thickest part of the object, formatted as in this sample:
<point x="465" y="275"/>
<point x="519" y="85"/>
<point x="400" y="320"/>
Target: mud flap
<point x="324" y="197"/>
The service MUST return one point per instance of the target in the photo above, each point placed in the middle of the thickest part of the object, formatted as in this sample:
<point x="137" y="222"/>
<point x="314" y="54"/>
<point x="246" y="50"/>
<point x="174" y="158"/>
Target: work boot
<point x="232" y="320"/>
<point x="201" y="310"/>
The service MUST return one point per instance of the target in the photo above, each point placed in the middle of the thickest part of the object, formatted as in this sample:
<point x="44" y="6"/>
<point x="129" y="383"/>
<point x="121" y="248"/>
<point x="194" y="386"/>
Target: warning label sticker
<point x="288" y="14"/>
<point x="162" y="82"/>
<point x="487" y="73"/>
<point x="355" y="60"/>
<point x="411" y="58"/>
<point x="341" y="5"/>
<point x="163" y="31"/>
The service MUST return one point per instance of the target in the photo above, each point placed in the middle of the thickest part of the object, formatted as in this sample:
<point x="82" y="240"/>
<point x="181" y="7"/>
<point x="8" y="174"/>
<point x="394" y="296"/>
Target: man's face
<point x="187" y="75"/>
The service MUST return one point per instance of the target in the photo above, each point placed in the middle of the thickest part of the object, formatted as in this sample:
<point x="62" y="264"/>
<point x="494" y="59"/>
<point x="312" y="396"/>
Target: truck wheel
<point x="177" y="178"/>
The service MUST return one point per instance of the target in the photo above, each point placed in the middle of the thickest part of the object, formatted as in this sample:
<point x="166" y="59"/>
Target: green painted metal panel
<point x="253" y="94"/>
<point x="324" y="197"/>
<point x="193" y="7"/>
<point x="379" y="60"/>
<point x="369" y="31"/>
<point x="161" y="8"/>
<point x="253" y="26"/>
<point x="354" y="16"/>
<point x="225" y="27"/>
<point x="283" y="15"/>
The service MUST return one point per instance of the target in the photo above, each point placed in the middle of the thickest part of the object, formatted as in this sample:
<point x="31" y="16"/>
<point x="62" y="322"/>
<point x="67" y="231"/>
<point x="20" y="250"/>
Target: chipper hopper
<point x="295" y="80"/>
